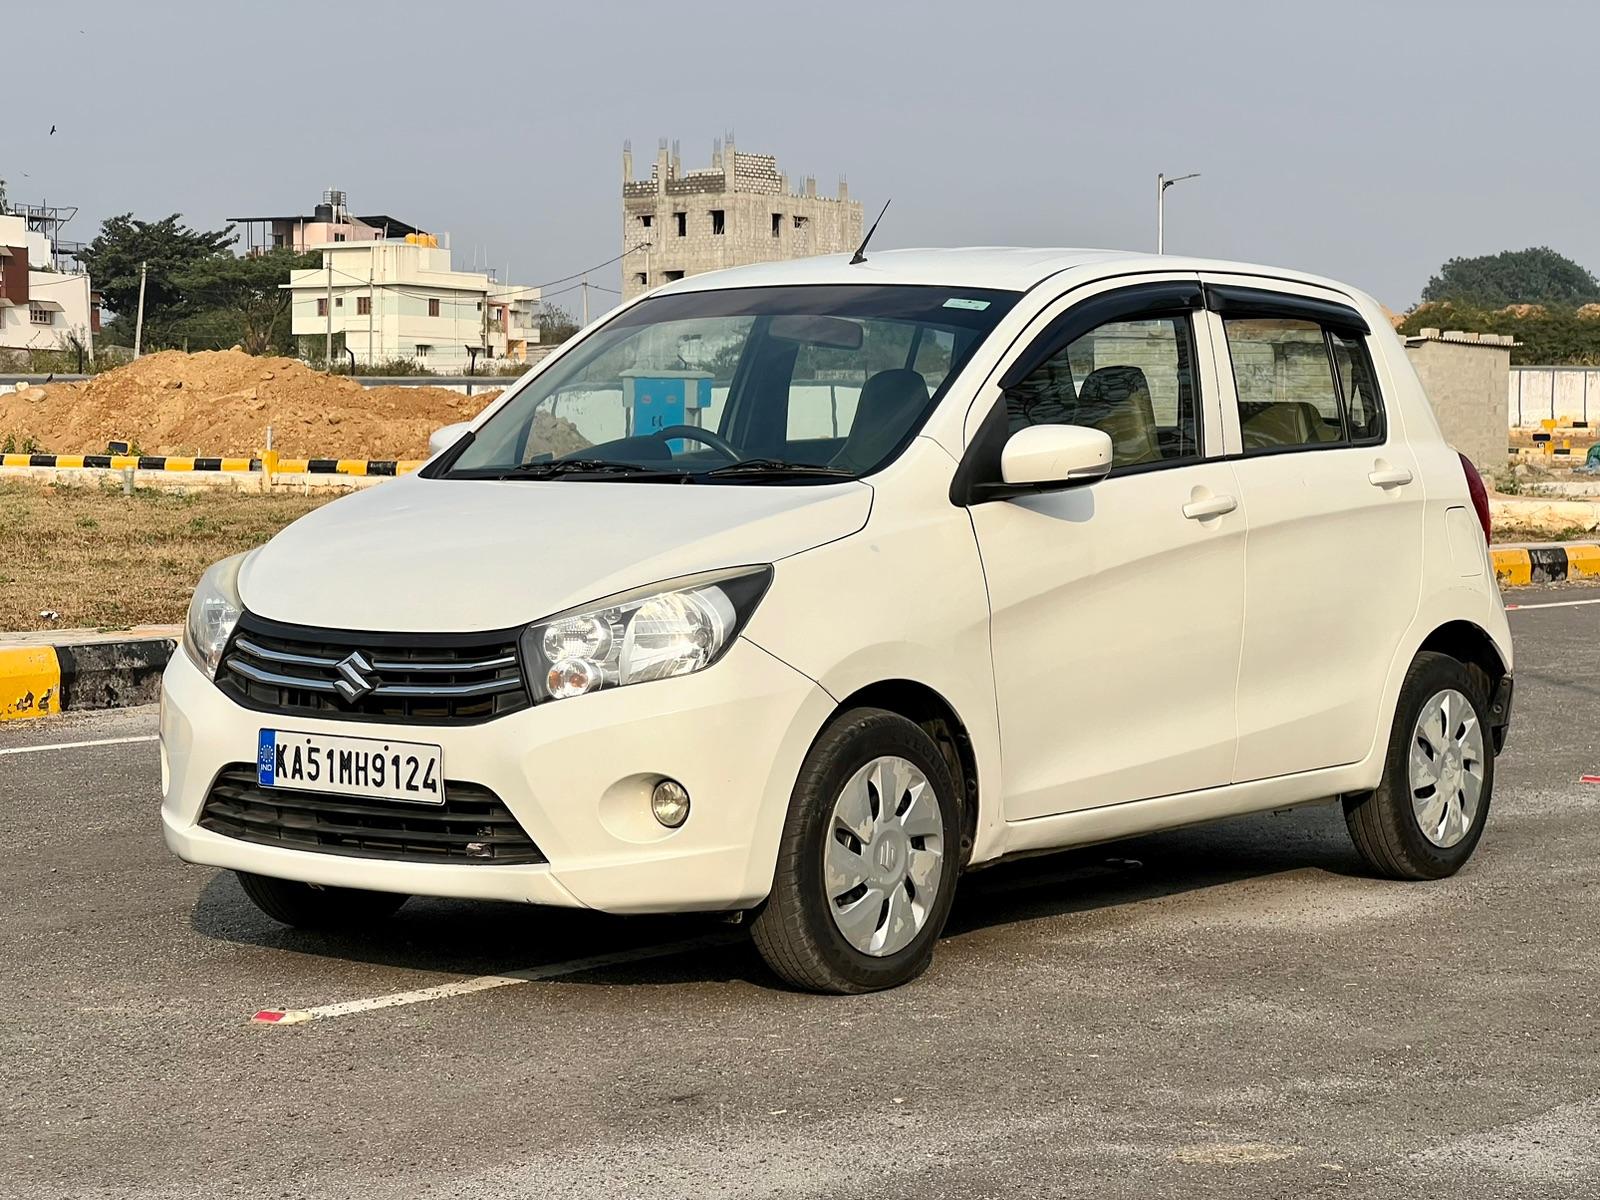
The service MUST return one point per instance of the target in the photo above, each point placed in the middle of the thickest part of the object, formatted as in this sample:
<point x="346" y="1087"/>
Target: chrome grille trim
<point x="423" y="678"/>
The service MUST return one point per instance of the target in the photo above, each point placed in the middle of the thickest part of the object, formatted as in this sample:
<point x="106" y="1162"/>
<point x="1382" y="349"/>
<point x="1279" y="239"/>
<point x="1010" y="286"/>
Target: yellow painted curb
<point x="352" y="466"/>
<point x="1512" y="568"/>
<point x="30" y="682"/>
<point x="1583" y="561"/>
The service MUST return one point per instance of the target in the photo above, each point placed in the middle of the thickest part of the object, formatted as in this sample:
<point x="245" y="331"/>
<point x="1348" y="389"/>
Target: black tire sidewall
<point x="302" y="906"/>
<point x="1430" y="675"/>
<point x="852" y="742"/>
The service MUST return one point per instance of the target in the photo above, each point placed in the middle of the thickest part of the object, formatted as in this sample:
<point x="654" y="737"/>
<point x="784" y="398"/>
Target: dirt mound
<point x="220" y="402"/>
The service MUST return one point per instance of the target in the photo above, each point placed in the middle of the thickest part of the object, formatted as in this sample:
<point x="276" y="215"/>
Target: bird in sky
<point x="52" y="131"/>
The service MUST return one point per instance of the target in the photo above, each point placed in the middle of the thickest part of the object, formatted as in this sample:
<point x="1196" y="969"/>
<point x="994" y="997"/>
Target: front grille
<point x="471" y="826"/>
<point x="422" y="679"/>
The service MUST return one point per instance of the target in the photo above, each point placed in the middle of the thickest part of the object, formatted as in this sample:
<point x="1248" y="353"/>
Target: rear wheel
<point x="1425" y="818"/>
<point x="306" y="906"/>
<point x="867" y="866"/>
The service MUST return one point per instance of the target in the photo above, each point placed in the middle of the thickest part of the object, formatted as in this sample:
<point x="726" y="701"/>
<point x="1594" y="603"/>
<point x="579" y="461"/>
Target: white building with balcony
<point x="41" y="308"/>
<point x="398" y="298"/>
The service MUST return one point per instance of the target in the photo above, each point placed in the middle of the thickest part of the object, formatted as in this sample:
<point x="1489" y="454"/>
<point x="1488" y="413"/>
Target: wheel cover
<point x="884" y="856"/>
<point x="1446" y="768"/>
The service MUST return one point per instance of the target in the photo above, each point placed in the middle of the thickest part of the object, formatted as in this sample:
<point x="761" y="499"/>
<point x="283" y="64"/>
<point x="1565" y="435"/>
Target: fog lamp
<point x="670" y="803"/>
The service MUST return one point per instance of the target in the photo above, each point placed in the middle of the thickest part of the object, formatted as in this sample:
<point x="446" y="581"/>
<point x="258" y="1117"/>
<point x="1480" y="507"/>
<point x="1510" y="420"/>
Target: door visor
<point x="1227" y="300"/>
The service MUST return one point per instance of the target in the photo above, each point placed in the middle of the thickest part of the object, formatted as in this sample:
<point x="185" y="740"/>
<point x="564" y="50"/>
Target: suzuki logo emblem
<point x="353" y="682"/>
<point x="887" y="856"/>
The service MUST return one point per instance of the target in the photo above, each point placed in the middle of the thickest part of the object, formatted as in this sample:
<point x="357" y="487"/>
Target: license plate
<point x="347" y="766"/>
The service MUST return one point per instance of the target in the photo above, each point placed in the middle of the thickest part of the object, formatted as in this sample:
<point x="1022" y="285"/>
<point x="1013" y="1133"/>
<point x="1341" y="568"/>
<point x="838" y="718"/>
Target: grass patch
<point x="1571" y="533"/>
<point x="102" y="559"/>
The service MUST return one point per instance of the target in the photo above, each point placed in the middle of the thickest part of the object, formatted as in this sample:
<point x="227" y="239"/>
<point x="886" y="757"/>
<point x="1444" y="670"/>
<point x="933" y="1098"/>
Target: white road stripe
<point x="123" y="741"/>
<point x="482" y="983"/>
<point x="1552" y="604"/>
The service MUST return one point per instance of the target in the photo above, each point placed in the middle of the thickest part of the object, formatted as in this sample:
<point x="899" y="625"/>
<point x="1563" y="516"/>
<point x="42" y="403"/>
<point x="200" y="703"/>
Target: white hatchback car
<point x="801" y="589"/>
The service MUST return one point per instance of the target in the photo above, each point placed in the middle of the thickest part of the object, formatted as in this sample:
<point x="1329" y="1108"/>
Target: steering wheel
<point x="705" y="437"/>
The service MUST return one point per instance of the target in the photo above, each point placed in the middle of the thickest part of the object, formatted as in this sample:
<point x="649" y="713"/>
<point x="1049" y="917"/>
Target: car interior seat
<point x="1116" y="401"/>
<point x="1285" y="423"/>
<point x="890" y="402"/>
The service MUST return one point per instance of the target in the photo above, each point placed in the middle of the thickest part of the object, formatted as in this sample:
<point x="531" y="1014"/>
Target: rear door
<point x="1116" y="606"/>
<point x="1334" y="505"/>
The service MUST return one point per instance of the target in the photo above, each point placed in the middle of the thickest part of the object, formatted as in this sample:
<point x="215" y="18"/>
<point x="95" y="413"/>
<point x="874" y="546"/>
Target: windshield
<point x="750" y="385"/>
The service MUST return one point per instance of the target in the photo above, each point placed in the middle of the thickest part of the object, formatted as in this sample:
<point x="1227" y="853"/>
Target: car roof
<point x="1005" y="268"/>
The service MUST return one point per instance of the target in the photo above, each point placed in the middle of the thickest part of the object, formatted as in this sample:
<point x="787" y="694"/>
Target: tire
<point x="796" y="930"/>
<point x="306" y="907"/>
<point x="1387" y="824"/>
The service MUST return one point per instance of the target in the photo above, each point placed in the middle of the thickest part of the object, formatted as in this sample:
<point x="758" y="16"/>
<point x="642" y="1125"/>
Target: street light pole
<point x="1162" y="184"/>
<point x="138" y="324"/>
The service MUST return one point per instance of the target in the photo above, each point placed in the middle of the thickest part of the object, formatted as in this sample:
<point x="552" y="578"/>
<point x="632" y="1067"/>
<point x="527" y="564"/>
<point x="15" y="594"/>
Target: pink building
<point x="329" y="222"/>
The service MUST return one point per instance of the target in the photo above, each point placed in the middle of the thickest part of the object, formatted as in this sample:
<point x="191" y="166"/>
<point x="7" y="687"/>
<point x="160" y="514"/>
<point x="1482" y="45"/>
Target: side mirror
<point x="1059" y="455"/>
<point x="442" y="439"/>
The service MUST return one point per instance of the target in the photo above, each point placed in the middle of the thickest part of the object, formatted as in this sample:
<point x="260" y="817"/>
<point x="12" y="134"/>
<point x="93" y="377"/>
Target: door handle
<point x="1388" y="477"/>
<point x="1210" y="506"/>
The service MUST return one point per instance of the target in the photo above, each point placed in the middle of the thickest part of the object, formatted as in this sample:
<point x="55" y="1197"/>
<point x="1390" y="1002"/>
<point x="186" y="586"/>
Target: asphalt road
<point x="1233" y="1010"/>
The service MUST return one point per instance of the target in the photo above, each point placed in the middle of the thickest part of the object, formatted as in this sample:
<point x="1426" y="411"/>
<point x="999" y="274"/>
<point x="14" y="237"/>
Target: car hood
<point x="446" y="555"/>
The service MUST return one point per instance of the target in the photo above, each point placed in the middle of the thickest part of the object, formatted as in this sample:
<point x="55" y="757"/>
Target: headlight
<point x="666" y="629"/>
<point x="213" y="613"/>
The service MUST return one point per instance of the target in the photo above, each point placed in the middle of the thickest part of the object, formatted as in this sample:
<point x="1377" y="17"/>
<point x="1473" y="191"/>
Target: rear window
<point x="1301" y="385"/>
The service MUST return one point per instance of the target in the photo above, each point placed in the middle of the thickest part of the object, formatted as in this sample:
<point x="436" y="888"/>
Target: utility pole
<point x="1162" y="184"/>
<point x="372" y="302"/>
<point x="585" y="302"/>
<point x="327" y="349"/>
<point x="486" y="320"/>
<point x="138" y="324"/>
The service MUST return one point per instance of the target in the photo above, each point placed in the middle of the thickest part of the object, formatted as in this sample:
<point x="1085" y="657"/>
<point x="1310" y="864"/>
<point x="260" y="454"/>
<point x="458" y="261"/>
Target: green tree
<point x="168" y="246"/>
<point x="1534" y="276"/>
<point x="240" y="299"/>
<point x="556" y="325"/>
<point x="1544" y="334"/>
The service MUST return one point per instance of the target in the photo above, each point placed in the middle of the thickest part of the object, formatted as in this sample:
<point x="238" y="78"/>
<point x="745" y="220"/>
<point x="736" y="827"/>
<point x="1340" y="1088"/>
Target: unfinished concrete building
<point x="739" y="210"/>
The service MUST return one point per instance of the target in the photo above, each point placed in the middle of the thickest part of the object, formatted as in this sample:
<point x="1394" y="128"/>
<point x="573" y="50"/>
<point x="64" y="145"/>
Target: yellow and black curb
<point x="39" y="680"/>
<point x="1516" y="566"/>
<point x="268" y="461"/>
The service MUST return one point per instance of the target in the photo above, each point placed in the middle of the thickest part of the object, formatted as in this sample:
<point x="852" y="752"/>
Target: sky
<point x="1365" y="141"/>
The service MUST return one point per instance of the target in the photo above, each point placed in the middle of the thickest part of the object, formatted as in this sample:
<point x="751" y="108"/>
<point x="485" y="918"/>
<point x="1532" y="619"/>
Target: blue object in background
<point x="661" y="398"/>
<point x="657" y="403"/>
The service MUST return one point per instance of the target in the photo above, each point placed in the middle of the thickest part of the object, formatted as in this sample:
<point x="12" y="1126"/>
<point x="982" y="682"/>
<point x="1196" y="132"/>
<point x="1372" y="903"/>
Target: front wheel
<point x="868" y="862"/>
<point x="307" y="907"/>
<point x="1426" y="815"/>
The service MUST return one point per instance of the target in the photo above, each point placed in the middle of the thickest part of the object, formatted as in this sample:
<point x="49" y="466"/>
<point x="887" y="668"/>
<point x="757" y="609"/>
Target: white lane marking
<point x="1552" y="604"/>
<point x="123" y="741"/>
<point x="482" y="983"/>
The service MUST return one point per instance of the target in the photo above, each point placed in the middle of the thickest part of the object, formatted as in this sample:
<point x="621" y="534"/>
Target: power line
<point x="537" y="287"/>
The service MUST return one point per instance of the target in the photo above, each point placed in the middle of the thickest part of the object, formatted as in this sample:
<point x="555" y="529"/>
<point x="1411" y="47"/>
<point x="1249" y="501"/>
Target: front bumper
<point x="576" y="774"/>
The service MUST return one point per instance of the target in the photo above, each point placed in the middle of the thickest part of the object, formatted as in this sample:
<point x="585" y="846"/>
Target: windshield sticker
<point x="974" y="305"/>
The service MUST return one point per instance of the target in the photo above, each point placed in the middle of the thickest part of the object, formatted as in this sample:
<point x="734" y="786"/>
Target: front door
<point x="1117" y="606"/>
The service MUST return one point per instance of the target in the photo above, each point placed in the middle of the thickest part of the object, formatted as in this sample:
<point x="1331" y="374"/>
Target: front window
<point x="749" y="385"/>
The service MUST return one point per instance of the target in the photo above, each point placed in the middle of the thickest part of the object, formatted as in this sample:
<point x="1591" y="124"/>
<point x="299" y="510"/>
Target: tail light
<point x="1480" y="494"/>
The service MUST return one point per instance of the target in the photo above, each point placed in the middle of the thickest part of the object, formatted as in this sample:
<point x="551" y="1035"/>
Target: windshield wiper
<point x="565" y="467"/>
<point x="776" y="468"/>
